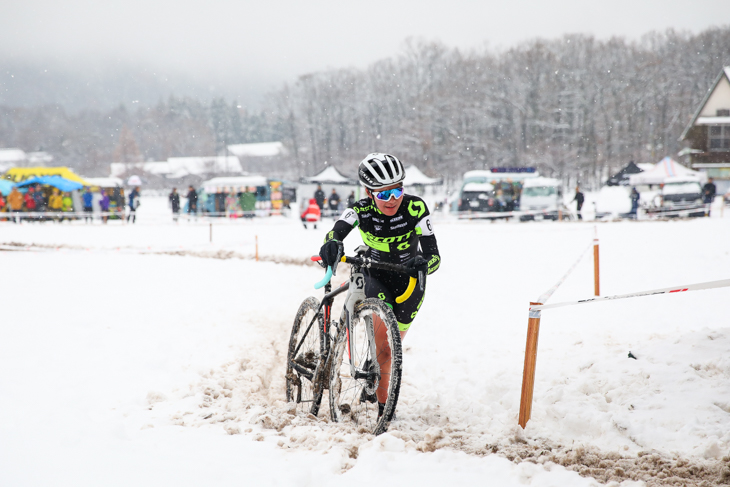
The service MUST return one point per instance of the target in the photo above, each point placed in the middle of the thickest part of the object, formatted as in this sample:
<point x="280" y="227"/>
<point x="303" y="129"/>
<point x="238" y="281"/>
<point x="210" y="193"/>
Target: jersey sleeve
<point x="427" y="239"/>
<point x="347" y="221"/>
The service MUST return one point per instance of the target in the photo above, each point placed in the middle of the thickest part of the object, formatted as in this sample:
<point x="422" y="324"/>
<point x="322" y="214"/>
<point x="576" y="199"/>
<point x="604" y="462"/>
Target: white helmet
<point x="379" y="170"/>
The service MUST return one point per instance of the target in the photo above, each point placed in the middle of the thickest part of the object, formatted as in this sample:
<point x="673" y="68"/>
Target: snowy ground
<point x="145" y="355"/>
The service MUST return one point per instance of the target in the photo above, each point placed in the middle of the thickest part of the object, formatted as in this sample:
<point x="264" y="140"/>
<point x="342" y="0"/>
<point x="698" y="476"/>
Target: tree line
<point x="575" y="107"/>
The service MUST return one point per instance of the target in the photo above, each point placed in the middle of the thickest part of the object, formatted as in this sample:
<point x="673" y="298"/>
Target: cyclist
<point x="397" y="228"/>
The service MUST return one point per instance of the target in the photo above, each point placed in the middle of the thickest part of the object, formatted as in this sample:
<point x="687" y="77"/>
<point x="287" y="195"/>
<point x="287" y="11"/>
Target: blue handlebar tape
<point x="327" y="277"/>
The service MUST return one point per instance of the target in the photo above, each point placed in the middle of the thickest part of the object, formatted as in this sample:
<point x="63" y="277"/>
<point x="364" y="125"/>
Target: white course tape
<point x="546" y="295"/>
<point x="669" y="290"/>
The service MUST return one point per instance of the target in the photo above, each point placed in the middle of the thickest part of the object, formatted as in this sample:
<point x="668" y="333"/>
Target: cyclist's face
<point x="390" y="207"/>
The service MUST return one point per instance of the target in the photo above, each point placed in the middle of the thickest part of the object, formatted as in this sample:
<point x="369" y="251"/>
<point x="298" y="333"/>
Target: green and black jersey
<point x="393" y="239"/>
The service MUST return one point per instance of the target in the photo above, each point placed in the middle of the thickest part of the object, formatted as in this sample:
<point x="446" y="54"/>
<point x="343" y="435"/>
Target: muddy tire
<point x="354" y="399"/>
<point x="305" y="358"/>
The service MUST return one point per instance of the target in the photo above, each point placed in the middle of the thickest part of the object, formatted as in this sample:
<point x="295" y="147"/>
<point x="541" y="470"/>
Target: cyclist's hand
<point x="329" y="252"/>
<point x="417" y="264"/>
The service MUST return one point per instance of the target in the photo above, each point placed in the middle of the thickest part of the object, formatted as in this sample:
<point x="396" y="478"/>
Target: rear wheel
<point x="305" y="358"/>
<point x="377" y="358"/>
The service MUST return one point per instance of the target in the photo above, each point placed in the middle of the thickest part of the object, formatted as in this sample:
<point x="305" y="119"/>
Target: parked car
<point x="479" y="197"/>
<point x="542" y="198"/>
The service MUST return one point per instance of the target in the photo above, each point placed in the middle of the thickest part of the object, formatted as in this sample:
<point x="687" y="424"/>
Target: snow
<point x="145" y="355"/>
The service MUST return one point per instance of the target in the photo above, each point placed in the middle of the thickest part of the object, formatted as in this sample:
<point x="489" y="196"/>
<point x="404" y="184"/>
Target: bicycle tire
<point x="348" y="400"/>
<point x="303" y="370"/>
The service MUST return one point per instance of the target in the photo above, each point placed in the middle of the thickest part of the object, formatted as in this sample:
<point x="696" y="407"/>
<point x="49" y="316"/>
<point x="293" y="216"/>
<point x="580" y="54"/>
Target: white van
<point x="681" y="196"/>
<point x="542" y="198"/>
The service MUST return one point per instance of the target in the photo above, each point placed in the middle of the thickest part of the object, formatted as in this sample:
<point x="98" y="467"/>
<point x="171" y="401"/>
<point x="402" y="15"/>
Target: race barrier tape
<point x="546" y="295"/>
<point x="669" y="290"/>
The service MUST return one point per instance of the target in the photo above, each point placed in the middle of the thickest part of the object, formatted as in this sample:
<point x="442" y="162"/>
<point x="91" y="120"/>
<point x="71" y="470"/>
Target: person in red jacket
<point x="312" y="214"/>
<point x="30" y="201"/>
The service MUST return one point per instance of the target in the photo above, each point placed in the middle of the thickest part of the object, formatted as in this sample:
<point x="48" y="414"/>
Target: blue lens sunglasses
<point x="388" y="194"/>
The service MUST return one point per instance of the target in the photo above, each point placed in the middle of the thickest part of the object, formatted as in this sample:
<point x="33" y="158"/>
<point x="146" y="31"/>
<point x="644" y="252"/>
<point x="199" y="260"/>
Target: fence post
<point x="211" y="233"/>
<point x="257" y="248"/>
<point x="596" y="266"/>
<point x="528" y="374"/>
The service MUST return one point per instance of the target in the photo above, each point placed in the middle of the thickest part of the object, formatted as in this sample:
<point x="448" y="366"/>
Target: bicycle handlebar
<point x="325" y="280"/>
<point x="378" y="265"/>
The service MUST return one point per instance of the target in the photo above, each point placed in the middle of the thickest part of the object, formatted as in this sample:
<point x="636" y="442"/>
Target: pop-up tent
<point x="55" y="181"/>
<point x="5" y="187"/>
<point x="330" y="176"/>
<point x="19" y="174"/>
<point x="328" y="179"/>
<point x="621" y="178"/>
<point x="666" y="168"/>
<point x="414" y="177"/>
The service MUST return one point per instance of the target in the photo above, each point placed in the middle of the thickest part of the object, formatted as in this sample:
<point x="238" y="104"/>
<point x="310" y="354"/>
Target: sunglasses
<point x="388" y="194"/>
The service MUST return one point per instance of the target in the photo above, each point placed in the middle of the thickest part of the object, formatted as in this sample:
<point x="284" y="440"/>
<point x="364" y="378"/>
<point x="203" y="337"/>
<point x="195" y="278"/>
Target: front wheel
<point x="377" y="359"/>
<point x="305" y="358"/>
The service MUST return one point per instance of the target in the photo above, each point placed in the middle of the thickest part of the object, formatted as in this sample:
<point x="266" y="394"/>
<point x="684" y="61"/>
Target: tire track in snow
<point x="246" y="396"/>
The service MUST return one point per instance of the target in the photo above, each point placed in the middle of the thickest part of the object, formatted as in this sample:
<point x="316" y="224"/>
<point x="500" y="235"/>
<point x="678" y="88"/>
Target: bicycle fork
<point x="372" y="372"/>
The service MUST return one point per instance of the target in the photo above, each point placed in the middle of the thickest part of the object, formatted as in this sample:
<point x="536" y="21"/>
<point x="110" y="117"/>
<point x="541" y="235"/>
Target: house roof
<point x="177" y="167"/>
<point x="12" y="155"/>
<point x="261" y="149"/>
<point x="705" y="120"/>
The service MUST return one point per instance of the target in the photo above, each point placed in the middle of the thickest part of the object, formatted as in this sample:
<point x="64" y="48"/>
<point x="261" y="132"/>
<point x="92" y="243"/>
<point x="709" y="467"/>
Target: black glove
<point x="330" y="251"/>
<point x="416" y="264"/>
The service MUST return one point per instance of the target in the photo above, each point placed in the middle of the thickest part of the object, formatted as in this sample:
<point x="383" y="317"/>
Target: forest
<point x="575" y="107"/>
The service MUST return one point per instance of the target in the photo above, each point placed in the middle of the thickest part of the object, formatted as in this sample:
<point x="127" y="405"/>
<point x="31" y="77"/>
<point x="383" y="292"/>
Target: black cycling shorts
<point x="387" y="288"/>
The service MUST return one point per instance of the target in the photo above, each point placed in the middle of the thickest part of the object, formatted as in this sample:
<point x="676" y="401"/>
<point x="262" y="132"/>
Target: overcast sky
<point x="264" y="43"/>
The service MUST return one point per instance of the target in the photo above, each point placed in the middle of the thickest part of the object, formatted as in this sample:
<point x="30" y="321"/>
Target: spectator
<point x="133" y="204"/>
<point x="3" y="206"/>
<point x="192" y="197"/>
<point x="351" y="199"/>
<point x="312" y="214"/>
<point x="68" y="204"/>
<point x="15" y="201"/>
<point x="319" y="197"/>
<point x="55" y="202"/>
<point x="104" y="205"/>
<point x="579" y="199"/>
<point x="708" y="194"/>
<point x="88" y="199"/>
<point x="232" y="204"/>
<point x="41" y="203"/>
<point x="334" y="203"/>
<point x="174" y="204"/>
<point x="635" y="197"/>
<point x="30" y="200"/>
<point x="247" y="202"/>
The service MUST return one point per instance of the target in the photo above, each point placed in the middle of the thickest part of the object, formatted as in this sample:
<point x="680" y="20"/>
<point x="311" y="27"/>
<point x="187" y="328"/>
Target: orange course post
<point x="596" y="267"/>
<point x="528" y="374"/>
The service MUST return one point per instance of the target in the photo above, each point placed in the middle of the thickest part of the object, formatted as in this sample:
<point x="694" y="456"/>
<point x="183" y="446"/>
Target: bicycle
<point x="316" y="359"/>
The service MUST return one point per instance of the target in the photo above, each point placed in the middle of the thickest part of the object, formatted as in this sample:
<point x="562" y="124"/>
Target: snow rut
<point x="246" y="396"/>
